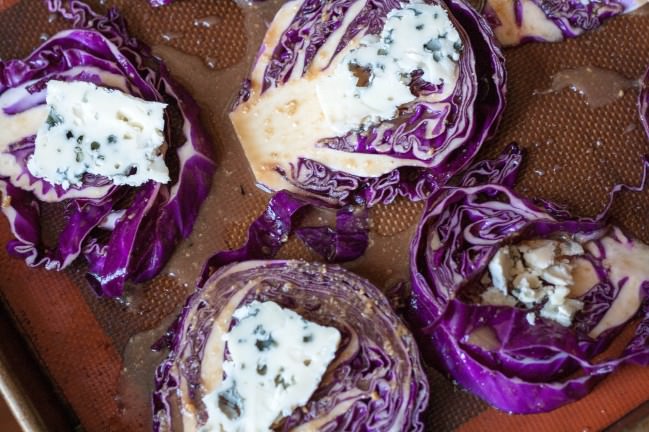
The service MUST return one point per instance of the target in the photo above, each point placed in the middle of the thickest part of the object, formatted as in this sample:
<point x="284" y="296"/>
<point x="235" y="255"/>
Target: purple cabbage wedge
<point x="643" y="102"/>
<point x="375" y="382"/>
<point x="517" y="22"/>
<point x="292" y="123"/>
<point x="512" y="356"/>
<point x="125" y="233"/>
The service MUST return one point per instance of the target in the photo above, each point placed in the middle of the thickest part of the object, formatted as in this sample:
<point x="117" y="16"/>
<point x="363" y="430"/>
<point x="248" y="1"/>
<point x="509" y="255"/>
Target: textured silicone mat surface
<point x="575" y="155"/>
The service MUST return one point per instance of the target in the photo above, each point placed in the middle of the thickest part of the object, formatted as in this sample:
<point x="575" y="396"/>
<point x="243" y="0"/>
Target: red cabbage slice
<point x="433" y="140"/>
<point x="517" y="22"/>
<point x="125" y="234"/>
<point x="375" y="383"/>
<point x="492" y="350"/>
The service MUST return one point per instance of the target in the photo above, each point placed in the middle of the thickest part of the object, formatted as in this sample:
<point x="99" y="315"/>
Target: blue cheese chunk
<point x="373" y="80"/>
<point x="276" y="361"/>
<point x="500" y="268"/>
<point x="532" y="273"/>
<point x="99" y="131"/>
<point x="539" y="254"/>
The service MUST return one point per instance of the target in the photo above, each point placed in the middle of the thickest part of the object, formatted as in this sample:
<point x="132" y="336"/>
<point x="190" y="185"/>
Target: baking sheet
<point x="575" y="155"/>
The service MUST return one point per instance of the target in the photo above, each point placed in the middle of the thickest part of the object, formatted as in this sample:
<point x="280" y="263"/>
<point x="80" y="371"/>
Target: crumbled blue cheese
<point x="563" y="312"/>
<point x="99" y="131"/>
<point x="531" y="318"/>
<point x="494" y="296"/>
<point x="500" y="268"/>
<point x="373" y="80"/>
<point x="535" y="272"/>
<point x="539" y="254"/>
<point x="276" y="361"/>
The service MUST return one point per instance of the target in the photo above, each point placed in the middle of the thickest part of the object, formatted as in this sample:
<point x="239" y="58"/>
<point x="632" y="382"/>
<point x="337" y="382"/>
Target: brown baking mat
<point x="575" y="155"/>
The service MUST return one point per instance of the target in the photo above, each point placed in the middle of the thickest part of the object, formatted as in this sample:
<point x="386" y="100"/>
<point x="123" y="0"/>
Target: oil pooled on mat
<point x="206" y="22"/>
<point x="136" y="380"/>
<point x="598" y="86"/>
<point x="234" y="200"/>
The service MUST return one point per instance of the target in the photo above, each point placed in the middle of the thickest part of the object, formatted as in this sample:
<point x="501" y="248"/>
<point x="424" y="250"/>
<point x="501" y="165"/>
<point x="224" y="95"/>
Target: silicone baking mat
<point x="575" y="155"/>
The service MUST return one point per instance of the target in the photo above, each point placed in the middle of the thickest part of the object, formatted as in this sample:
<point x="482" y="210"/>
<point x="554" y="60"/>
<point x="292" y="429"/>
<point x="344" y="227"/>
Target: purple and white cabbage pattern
<point x="439" y="139"/>
<point x="125" y="233"/>
<point x="375" y="383"/>
<point x="493" y="350"/>
<point x="520" y="21"/>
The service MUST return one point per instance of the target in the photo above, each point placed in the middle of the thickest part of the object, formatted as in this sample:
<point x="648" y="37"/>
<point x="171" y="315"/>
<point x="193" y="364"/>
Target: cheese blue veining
<point x="373" y="80"/>
<point x="361" y="85"/>
<point x="99" y="131"/>
<point x="276" y="361"/>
